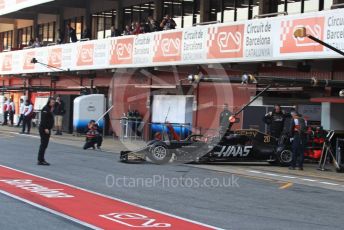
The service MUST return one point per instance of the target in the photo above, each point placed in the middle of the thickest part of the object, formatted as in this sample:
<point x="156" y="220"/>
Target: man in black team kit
<point x="47" y="123"/>
<point x="275" y="121"/>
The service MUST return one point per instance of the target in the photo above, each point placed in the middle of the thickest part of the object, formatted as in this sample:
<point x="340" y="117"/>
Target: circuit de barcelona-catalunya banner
<point x="9" y="6"/>
<point x="248" y="41"/>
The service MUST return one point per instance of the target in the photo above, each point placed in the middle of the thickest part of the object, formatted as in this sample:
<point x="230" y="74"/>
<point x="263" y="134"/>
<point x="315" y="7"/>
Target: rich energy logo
<point x="234" y="151"/>
<point x="135" y="220"/>
<point x="35" y="188"/>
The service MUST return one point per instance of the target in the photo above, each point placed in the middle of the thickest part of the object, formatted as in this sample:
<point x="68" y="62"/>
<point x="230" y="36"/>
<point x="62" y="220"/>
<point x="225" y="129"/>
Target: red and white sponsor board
<point x="226" y="42"/>
<point x="249" y="41"/>
<point x="85" y="207"/>
<point x="168" y="46"/>
<point x="7" y="63"/>
<point x="291" y="44"/>
<point x="121" y="51"/>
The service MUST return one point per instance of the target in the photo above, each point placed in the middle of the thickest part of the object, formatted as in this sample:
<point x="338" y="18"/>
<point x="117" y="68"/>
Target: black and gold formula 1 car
<point x="239" y="145"/>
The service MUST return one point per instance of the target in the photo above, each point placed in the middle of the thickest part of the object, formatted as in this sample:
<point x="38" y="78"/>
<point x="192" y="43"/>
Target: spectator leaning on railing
<point x="37" y="43"/>
<point x="72" y="33"/>
<point x="137" y="29"/>
<point x="61" y="36"/>
<point x="86" y="34"/>
<point x="114" y="32"/>
<point x="152" y="24"/>
<point x="168" y="23"/>
<point x="127" y="30"/>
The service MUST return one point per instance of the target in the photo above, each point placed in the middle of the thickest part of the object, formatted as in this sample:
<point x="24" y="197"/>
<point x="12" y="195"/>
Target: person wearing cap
<point x="275" y="120"/>
<point x="298" y="130"/>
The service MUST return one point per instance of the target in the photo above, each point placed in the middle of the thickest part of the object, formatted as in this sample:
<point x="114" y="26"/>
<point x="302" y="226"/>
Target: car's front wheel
<point x="285" y="157"/>
<point x="159" y="154"/>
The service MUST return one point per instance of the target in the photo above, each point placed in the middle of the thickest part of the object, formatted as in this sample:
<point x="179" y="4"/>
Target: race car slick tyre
<point x="159" y="154"/>
<point x="285" y="157"/>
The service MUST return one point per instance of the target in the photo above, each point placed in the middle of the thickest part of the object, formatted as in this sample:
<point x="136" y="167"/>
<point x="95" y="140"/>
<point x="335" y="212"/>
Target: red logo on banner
<point x="7" y="63"/>
<point x="226" y="41"/>
<point x="290" y="44"/>
<point x="27" y="60"/>
<point x="168" y="47"/>
<point x="55" y="57"/>
<point x="85" y="55"/>
<point x="122" y="51"/>
<point x="20" y="1"/>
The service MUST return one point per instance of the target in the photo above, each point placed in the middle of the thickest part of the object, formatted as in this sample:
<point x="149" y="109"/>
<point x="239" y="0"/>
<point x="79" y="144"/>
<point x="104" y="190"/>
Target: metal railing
<point x="206" y="23"/>
<point x="335" y="6"/>
<point x="270" y="14"/>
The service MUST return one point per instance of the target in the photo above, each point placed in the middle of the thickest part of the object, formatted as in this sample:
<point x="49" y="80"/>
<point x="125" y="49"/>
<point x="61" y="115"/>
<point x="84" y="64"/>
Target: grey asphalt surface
<point x="254" y="204"/>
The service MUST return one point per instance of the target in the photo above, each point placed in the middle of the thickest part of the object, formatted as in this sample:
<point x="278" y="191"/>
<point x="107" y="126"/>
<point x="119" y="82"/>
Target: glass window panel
<point x="9" y="42"/>
<point x="188" y="13"/>
<point x="100" y="34"/>
<point x="255" y="8"/>
<point x="168" y="9"/>
<point x="281" y="5"/>
<point x="45" y="32"/>
<point x="4" y="42"/>
<point x="108" y="22"/>
<point x="215" y="10"/>
<point x="177" y="13"/>
<point x="136" y="14"/>
<point x="127" y="16"/>
<point x="29" y="33"/>
<point x="294" y="6"/>
<point x="311" y="5"/>
<point x="51" y="32"/>
<point x="107" y="33"/>
<point x="147" y="9"/>
<point x="78" y="30"/>
<point x="228" y="11"/>
<point x="328" y="4"/>
<point x="197" y="13"/>
<point x="242" y="9"/>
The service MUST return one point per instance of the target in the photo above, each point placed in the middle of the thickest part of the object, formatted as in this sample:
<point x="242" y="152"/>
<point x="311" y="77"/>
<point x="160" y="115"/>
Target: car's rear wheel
<point x="285" y="157"/>
<point x="159" y="154"/>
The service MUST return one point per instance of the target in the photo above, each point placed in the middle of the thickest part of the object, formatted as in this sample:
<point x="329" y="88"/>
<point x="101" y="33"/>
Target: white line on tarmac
<point x="25" y="135"/>
<point x="328" y="183"/>
<point x="306" y="179"/>
<point x="294" y="177"/>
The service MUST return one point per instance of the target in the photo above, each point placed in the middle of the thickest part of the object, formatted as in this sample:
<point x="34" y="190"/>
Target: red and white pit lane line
<point x="85" y="207"/>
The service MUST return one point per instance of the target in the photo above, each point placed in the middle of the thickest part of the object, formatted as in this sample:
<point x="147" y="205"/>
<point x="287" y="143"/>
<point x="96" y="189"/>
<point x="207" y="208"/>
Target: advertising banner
<point x="256" y="40"/>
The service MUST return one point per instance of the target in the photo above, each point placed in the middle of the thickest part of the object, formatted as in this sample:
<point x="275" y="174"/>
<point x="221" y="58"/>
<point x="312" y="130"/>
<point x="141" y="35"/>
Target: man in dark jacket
<point x="298" y="131"/>
<point x="224" y="119"/>
<point x="275" y="121"/>
<point x="72" y="33"/>
<point x="59" y="111"/>
<point x="47" y="123"/>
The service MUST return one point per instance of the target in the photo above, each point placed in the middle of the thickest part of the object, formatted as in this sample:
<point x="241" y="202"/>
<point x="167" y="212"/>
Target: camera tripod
<point x="326" y="150"/>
